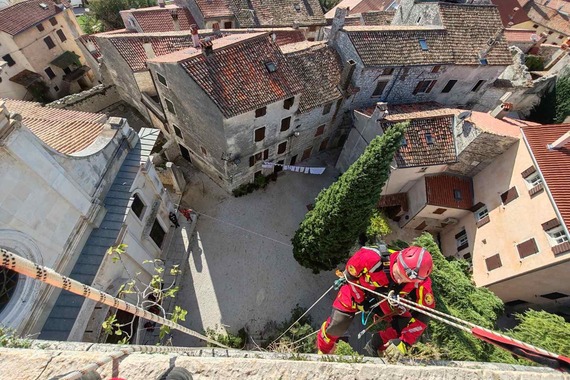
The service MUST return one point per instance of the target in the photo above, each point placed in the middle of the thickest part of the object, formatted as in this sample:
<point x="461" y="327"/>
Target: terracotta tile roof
<point x="554" y="164"/>
<point x="465" y="32"/>
<point x="252" y="13"/>
<point x="91" y="45"/>
<point x="378" y="17"/>
<point x="441" y="191"/>
<point x="508" y="14"/>
<point x="548" y="17"/>
<point x="359" y="6"/>
<point x="399" y="45"/>
<point x="16" y="18"/>
<point x="519" y="35"/>
<point x="235" y="76"/>
<point x="417" y="151"/>
<point x="319" y="68"/>
<point x="283" y="37"/>
<point x="66" y="131"/>
<point x="470" y="27"/>
<point x="130" y="46"/>
<point x="157" y="19"/>
<point x="214" y="8"/>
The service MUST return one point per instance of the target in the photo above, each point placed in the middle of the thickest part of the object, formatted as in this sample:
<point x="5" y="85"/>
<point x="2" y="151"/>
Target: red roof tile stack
<point x="236" y="75"/>
<point x="16" y="18"/>
<point x="554" y="164"/>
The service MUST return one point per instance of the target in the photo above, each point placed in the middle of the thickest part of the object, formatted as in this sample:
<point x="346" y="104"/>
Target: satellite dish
<point x="534" y="37"/>
<point x="464" y="115"/>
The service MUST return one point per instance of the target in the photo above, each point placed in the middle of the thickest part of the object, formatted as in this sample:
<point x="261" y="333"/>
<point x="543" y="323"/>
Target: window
<point x="429" y="138"/>
<point x="258" y="157"/>
<point x="9" y="60"/>
<point x="483" y="61"/>
<point x="482" y="216"/>
<point x="53" y="21"/>
<point x="227" y="25"/>
<point x="388" y="71"/>
<point x="260" y="111"/>
<point x="323" y="145"/>
<point x="177" y="131"/>
<point x="170" y="106"/>
<point x="204" y="151"/>
<point x="61" y="35"/>
<point x="288" y="103"/>
<point x="281" y="148"/>
<point x="285" y="124"/>
<point x="560" y="37"/>
<point x="271" y="67"/>
<point x="477" y="86"/>
<point x="306" y="154"/>
<point x="440" y="211"/>
<point x="320" y="130"/>
<point x="404" y="142"/>
<point x="493" y="262"/>
<point x="449" y="86"/>
<point x="137" y="206"/>
<point x="527" y="248"/>
<point x="423" y="170"/>
<point x="509" y="195"/>
<point x="461" y="240"/>
<point x="424" y="86"/>
<point x="533" y="180"/>
<point x="157" y="233"/>
<point x="40" y="27"/>
<point x="423" y="44"/>
<point x="56" y="88"/>
<point x="457" y="194"/>
<point x="312" y="28"/>
<point x="259" y="134"/>
<point x="380" y="86"/>
<point x="554" y="295"/>
<point x="436" y="69"/>
<point x="49" y="42"/>
<point x="161" y="79"/>
<point x="557" y="236"/>
<point x="535" y="26"/>
<point x="327" y="108"/>
<point x="50" y="73"/>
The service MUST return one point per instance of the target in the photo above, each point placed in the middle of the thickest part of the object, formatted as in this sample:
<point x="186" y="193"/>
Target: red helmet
<point x="415" y="262"/>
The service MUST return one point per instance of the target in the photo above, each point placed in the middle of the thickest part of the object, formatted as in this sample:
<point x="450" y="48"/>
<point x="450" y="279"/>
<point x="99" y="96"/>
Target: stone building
<point x="432" y="52"/>
<point x="306" y="15"/>
<point x="74" y="184"/>
<point x="231" y="104"/>
<point x="162" y="18"/>
<point x="38" y="47"/>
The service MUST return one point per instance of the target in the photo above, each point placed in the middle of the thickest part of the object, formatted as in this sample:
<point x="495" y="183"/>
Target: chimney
<point x="502" y="110"/>
<point x="147" y="46"/>
<point x="346" y="75"/>
<point x="161" y="3"/>
<point x="195" y="37"/>
<point x="381" y="110"/>
<point x="559" y="144"/>
<point x="337" y="22"/>
<point x="207" y="46"/>
<point x="216" y="28"/>
<point x="174" y="14"/>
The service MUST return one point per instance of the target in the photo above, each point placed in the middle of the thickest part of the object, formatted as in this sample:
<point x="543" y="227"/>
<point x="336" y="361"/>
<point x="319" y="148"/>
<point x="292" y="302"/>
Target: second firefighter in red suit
<point x="405" y="272"/>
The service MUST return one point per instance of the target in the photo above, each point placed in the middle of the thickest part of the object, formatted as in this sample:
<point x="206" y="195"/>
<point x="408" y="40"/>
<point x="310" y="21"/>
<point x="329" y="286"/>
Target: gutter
<point x="556" y="210"/>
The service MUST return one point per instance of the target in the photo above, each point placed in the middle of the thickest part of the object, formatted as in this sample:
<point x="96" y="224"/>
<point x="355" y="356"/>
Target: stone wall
<point x="92" y="100"/>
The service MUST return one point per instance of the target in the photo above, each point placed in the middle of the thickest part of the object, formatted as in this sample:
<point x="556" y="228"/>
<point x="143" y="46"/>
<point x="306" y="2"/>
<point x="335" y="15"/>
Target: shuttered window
<point x="259" y="134"/>
<point x="281" y="148"/>
<point x="527" y="248"/>
<point x="461" y="240"/>
<point x="509" y="195"/>
<point x="380" y="86"/>
<point x="493" y="262"/>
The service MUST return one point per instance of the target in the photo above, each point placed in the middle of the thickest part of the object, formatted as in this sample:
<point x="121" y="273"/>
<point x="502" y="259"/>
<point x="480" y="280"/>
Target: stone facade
<point x="92" y="100"/>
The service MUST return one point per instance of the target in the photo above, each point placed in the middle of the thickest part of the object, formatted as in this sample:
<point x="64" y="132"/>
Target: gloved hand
<point x="338" y="283"/>
<point x="395" y="350"/>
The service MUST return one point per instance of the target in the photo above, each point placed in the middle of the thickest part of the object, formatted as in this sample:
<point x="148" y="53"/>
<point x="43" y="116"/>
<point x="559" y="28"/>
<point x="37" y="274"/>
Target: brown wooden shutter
<point x="421" y="226"/>
<point x="483" y="221"/>
<point x="418" y="87"/>
<point x="535" y="190"/>
<point x="509" y="195"/>
<point x="527" y="248"/>
<point x="478" y="206"/>
<point x="493" y="262"/>
<point x="552" y="223"/>
<point x="561" y="248"/>
<point x="431" y="86"/>
<point x="528" y="171"/>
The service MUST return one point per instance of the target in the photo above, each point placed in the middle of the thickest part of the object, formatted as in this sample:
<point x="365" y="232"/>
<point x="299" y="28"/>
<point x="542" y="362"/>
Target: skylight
<point x="271" y="66"/>
<point x="423" y="44"/>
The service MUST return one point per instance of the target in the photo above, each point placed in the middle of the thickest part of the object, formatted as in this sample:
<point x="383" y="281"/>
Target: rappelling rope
<point x="432" y="313"/>
<point x="305" y="313"/>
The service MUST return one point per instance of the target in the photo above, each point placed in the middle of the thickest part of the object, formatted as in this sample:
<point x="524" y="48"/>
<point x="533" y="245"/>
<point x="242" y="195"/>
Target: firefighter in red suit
<point x="406" y="273"/>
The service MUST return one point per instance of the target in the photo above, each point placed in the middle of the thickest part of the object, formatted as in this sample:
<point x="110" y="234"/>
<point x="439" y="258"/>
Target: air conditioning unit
<point x="450" y="221"/>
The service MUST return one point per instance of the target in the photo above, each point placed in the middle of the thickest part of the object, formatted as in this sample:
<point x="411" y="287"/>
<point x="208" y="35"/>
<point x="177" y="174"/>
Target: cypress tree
<point x="343" y="210"/>
<point x="562" y="98"/>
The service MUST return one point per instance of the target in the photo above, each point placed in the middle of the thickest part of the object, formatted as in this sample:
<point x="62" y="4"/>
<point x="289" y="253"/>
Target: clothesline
<point x="298" y="169"/>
